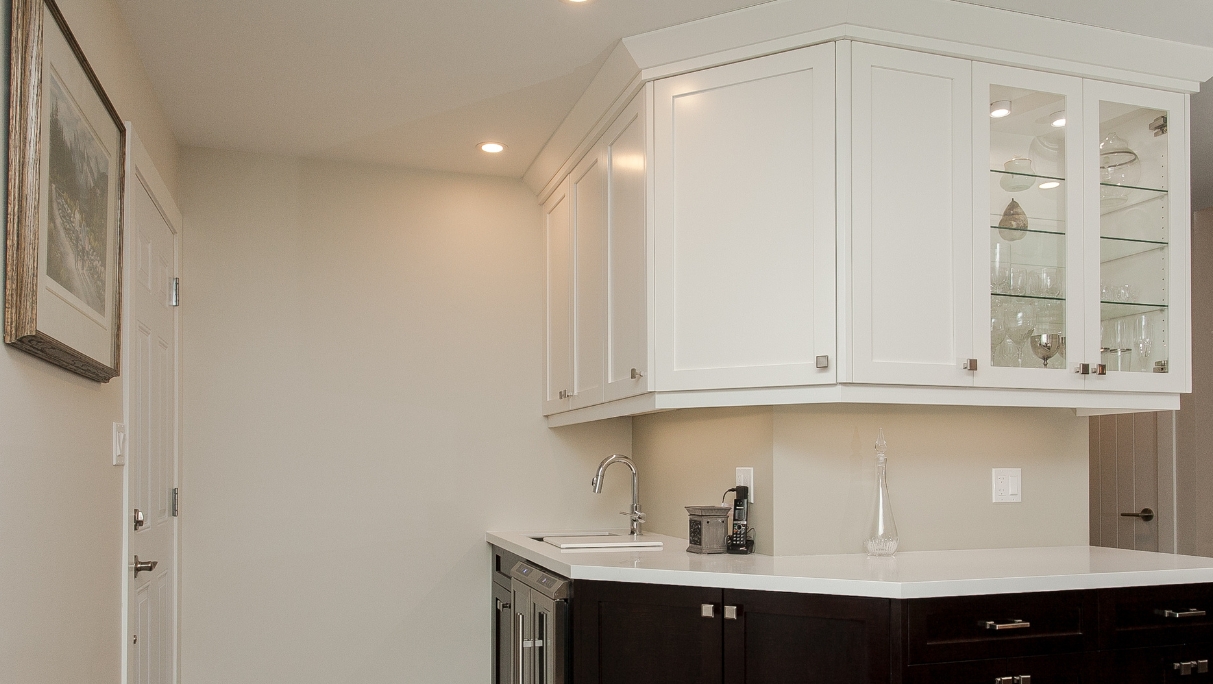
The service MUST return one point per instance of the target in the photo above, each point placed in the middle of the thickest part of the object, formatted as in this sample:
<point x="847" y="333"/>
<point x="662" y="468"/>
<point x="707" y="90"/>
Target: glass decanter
<point x="882" y="532"/>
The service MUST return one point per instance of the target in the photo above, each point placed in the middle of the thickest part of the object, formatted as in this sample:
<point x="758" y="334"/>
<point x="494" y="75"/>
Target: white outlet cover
<point x="745" y="477"/>
<point x="1008" y="485"/>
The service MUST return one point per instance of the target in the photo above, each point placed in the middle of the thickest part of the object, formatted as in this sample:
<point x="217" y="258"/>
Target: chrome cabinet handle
<point x="1181" y="614"/>
<point x="1190" y="666"/>
<point x="1018" y="679"/>
<point x="139" y="520"/>
<point x="1146" y="515"/>
<point x="637" y="374"/>
<point x="823" y="361"/>
<point x="969" y="365"/>
<point x="143" y="566"/>
<point x="518" y="642"/>
<point x="707" y="610"/>
<point x="732" y="612"/>
<point x="1000" y="626"/>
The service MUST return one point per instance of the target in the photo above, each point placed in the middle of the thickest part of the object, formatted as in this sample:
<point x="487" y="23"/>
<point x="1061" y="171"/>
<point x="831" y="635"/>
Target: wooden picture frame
<point x="66" y="194"/>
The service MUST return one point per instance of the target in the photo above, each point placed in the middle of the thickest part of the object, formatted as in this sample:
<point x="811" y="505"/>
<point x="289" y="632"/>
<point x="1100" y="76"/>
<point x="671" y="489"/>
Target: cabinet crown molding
<point x="945" y="27"/>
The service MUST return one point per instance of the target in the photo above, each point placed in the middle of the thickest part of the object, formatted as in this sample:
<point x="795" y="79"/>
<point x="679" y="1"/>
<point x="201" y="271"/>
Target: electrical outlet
<point x="119" y="444"/>
<point x="745" y="476"/>
<point x="1008" y="485"/>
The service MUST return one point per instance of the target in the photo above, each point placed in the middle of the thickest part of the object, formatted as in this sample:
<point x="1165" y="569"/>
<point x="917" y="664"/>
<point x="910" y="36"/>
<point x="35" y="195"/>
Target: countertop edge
<point x="532" y="551"/>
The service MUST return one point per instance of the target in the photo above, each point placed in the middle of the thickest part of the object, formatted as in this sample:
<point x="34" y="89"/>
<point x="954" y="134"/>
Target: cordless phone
<point x="739" y="537"/>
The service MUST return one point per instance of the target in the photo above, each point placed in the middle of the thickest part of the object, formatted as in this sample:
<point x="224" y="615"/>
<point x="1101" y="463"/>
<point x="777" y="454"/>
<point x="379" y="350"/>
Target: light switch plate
<point x="1008" y="485"/>
<point x="745" y="476"/>
<point x="119" y="444"/>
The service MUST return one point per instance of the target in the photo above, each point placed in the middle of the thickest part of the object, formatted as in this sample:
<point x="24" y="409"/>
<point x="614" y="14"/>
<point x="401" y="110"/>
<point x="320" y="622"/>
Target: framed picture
<point x="66" y="186"/>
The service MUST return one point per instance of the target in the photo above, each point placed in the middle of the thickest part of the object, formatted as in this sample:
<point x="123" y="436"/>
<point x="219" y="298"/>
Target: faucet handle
<point x="637" y="515"/>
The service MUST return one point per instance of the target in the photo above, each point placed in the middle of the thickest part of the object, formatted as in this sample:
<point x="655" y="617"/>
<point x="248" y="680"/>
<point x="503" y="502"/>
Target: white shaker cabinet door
<point x="625" y="156"/>
<point x="744" y="169"/>
<point x="587" y="187"/>
<point x="558" y="236"/>
<point x="911" y="243"/>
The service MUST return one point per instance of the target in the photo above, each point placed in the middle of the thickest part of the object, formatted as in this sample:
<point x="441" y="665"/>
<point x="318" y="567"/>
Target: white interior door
<point x="149" y="349"/>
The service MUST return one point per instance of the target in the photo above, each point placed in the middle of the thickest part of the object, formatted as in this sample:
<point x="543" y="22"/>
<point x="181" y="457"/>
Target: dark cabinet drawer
<point x="1167" y="665"/>
<point x="999" y="626"/>
<point x="1156" y="616"/>
<point x="1055" y="669"/>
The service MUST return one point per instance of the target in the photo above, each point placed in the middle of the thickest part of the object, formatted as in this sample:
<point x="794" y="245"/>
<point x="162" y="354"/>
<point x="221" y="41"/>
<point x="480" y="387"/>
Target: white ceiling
<point x="418" y="83"/>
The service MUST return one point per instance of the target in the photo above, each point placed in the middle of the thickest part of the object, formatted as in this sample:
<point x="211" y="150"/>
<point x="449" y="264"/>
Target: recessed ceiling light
<point x="1000" y="108"/>
<point x="1049" y="185"/>
<point x="492" y="147"/>
<point x="1058" y="119"/>
<point x="576" y="2"/>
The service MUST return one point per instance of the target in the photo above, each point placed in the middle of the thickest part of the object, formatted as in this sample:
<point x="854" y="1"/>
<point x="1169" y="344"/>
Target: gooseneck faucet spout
<point x="635" y="516"/>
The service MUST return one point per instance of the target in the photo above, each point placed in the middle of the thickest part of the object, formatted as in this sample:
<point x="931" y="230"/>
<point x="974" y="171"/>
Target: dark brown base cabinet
<point x="653" y="634"/>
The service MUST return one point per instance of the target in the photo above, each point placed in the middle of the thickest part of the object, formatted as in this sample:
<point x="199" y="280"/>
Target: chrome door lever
<point x="1146" y="515"/>
<point x="143" y="566"/>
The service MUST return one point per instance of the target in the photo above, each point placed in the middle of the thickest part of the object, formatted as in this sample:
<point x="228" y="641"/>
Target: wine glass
<point x="1143" y="341"/>
<point x="1047" y="345"/>
<point x="1018" y="321"/>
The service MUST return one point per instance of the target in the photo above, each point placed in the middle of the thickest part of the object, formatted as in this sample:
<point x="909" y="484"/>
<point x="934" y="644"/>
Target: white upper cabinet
<point x="558" y="238"/>
<point x="848" y="222"/>
<point x="744" y="224"/>
<point x="1028" y="229"/>
<point x="587" y="189"/>
<point x="1138" y="230"/>
<point x="625" y="160"/>
<point x="911" y="233"/>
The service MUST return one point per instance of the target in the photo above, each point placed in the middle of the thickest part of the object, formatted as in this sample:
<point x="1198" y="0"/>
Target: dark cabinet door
<point x="1066" y="668"/>
<point x="779" y="638"/>
<point x="646" y="634"/>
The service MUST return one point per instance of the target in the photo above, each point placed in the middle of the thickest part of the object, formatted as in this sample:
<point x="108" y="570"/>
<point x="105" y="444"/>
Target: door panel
<point x="625" y="152"/>
<point x="912" y="259"/>
<point x="588" y="188"/>
<point x="1124" y="454"/>
<point x="744" y="219"/>
<point x="645" y="634"/>
<point x="805" y="639"/>
<point x="558" y="232"/>
<point x="150" y="385"/>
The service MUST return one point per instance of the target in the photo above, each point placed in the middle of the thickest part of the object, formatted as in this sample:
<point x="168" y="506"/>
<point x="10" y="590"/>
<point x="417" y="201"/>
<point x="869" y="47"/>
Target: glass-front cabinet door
<point x="1028" y="213"/>
<point x="1138" y="225"/>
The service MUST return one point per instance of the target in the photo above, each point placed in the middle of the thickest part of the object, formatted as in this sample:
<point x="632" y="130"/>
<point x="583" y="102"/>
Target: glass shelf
<point x="1113" y="248"/>
<point x="1108" y="310"/>
<point x="1033" y="297"/>
<point x="1031" y="230"/>
<point x="1125" y="196"/>
<point x="1027" y="175"/>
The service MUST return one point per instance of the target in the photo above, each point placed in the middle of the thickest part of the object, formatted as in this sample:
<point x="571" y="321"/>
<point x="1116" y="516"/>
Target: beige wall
<point x="689" y="458"/>
<point x="60" y="498"/>
<point x="1194" y="431"/>
<point x="815" y="475"/>
<point x="362" y="382"/>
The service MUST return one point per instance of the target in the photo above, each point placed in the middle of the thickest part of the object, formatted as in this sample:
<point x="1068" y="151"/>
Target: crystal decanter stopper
<point x="882" y="532"/>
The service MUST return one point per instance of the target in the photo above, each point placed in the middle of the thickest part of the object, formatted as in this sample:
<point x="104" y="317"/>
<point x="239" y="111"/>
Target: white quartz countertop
<point x="910" y="574"/>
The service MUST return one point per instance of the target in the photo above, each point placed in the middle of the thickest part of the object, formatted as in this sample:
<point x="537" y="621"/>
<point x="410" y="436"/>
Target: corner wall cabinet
<point x="851" y="222"/>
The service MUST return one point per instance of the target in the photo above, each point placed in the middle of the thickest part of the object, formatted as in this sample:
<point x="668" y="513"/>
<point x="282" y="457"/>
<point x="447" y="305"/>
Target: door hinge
<point x="175" y="493"/>
<point x="174" y="297"/>
<point x="1159" y="125"/>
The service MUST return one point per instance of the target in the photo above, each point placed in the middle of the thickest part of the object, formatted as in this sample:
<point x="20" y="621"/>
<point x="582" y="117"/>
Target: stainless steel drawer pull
<point x="999" y="626"/>
<point x="1190" y="613"/>
<point x="731" y="612"/>
<point x="1188" y="667"/>
<point x="707" y="610"/>
<point x="1018" y="679"/>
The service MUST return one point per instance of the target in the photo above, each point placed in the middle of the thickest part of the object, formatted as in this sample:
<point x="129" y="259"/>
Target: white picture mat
<point x="61" y="314"/>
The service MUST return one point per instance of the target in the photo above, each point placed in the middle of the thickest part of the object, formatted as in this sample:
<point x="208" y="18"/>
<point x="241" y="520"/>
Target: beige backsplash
<point x="814" y="473"/>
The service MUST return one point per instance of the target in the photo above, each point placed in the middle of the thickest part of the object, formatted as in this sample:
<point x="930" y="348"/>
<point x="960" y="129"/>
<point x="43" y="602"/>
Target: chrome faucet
<point x="635" y="516"/>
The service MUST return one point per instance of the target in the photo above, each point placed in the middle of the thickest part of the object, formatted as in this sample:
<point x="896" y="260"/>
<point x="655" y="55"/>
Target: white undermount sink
<point x="600" y="540"/>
